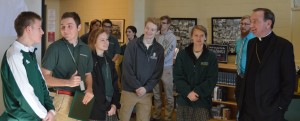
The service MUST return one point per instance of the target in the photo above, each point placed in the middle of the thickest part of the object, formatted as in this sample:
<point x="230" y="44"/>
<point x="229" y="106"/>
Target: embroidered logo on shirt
<point x="83" y="55"/>
<point x="204" y="63"/>
<point x="153" y="56"/>
<point x="27" y="61"/>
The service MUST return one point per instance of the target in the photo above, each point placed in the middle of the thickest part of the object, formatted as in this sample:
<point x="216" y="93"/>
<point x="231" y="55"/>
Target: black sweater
<point x="142" y="67"/>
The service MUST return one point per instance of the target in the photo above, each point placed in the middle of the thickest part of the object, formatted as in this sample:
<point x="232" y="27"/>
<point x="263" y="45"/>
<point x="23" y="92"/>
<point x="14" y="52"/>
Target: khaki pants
<point x="143" y="106"/>
<point x="167" y="83"/>
<point x="62" y="104"/>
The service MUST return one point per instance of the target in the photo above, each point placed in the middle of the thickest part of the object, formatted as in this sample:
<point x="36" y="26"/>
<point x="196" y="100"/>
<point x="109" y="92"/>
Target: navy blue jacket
<point x="142" y="67"/>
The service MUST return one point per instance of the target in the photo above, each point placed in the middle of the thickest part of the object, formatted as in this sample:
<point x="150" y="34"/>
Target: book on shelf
<point x="221" y="112"/>
<point x="226" y="113"/>
<point x="219" y="93"/>
<point x="226" y="78"/>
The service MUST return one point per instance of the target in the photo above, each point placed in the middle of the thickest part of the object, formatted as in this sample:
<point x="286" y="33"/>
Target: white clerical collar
<point x="260" y="38"/>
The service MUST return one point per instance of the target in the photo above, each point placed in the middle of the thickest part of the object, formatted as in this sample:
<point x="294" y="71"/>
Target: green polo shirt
<point x="58" y="59"/>
<point x="114" y="47"/>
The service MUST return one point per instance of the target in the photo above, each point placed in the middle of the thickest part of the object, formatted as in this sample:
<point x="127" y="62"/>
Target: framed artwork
<point x="117" y="29"/>
<point x="221" y="52"/>
<point x="86" y="27"/>
<point x="182" y="29"/>
<point x="225" y="31"/>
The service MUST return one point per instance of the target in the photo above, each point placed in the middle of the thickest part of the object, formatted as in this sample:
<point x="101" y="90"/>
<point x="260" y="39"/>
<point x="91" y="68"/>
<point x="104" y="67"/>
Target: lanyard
<point x="72" y="55"/>
<point x="82" y="86"/>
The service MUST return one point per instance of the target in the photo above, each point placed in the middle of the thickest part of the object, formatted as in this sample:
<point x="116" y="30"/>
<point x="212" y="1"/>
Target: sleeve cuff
<point x="53" y="112"/>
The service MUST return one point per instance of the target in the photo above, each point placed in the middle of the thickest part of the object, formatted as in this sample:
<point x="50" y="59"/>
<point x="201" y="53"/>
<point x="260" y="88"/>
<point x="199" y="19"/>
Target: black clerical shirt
<point x="249" y="104"/>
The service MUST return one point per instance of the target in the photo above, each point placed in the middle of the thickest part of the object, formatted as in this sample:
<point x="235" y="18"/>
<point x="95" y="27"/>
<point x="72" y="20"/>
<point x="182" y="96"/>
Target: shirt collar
<point x="23" y="47"/>
<point x="79" y="42"/>
<point x="260" y="38"/>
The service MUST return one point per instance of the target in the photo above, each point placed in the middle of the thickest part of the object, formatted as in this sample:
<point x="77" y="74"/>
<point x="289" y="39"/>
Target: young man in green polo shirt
<point x="66" y="63"/>
<point x="25" y="94"/>
<point x="114" y="48"/>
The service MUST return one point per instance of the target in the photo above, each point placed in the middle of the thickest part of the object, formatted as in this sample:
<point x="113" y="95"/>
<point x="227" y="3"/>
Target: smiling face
<point x="150" y="30"/>
<point x="102" y="42"/>
<point x="259" y="26"/>
<point x="130" y="34"/>
<point x="68" y="29"/>
<point x="107" y="27"/>
<point x="36" y="32"/>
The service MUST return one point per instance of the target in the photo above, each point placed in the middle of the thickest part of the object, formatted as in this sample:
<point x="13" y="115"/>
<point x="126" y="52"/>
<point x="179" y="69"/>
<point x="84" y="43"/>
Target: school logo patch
<point x="153" y="56"/>
<point x="204" y="63"/>
<point x="83" y="55"/>
<point x="27" y="61"/>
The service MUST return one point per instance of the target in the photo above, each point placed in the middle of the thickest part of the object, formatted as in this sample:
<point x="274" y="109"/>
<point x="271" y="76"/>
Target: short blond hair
<point x="245" y="17"/>
<point x="153" y="20"/>
<point x="201" y="28"/>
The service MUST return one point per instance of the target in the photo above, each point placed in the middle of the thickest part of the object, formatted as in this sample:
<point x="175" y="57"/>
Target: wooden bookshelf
<point x="225" y="102"/>
<point x="227" y="67"/>
<point x="229" y="101"/>
<point x="219" y="120"/>
<point x="225" y="85"/>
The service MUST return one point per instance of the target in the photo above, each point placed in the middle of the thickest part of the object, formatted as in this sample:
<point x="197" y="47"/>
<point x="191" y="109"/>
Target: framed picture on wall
<point x="117" y="29"/>
<point x="86" y="27"/>
<point x="182" y="28"/>
<point x="225" y="31"/>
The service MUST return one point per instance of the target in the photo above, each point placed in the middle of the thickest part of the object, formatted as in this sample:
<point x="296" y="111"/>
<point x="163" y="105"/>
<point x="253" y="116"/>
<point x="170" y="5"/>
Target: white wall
<point x="6" y="40"/>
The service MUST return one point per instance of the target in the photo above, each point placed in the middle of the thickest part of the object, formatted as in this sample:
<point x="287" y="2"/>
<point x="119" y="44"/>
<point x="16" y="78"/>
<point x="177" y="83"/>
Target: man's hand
<point x="49" y="116"/>
<point x="193" y="96"/>
<point x="74" y="80"/>
<point x="140" y="91"/>
<point x="112" y="110"/>
<point x="115" y="58"/>
<point x="88" y="96"/>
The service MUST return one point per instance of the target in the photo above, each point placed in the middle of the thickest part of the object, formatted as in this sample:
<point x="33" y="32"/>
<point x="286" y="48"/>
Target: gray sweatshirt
<point x="168" y="41"/>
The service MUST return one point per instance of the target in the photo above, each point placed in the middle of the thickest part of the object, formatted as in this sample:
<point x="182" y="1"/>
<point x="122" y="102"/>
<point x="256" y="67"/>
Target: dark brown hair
<point x="133" y="29"/>
<point x="93" y="22"/>
<point x="106" y="21"/>
<point x="73" y="15"/>
<point x="25" y="19"/>
<point x="268" y="15"/>
<point x="166" y="17"/>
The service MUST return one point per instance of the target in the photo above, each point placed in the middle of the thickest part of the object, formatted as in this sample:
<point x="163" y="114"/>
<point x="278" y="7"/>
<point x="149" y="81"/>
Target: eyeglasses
<point x="245" y="24"/>
<point x="106" y="26"/>
<point x="164" y="23"/>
